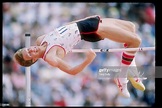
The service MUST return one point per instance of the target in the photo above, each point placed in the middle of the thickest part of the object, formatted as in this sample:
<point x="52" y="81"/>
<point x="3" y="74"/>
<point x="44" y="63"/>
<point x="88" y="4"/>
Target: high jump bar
<point x="28" y="74"/>
<point x="116" y="50"/>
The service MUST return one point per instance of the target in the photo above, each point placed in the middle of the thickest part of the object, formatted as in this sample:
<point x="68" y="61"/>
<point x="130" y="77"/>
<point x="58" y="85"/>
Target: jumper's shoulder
<point x="51" y="56"/>
<point x="39" y="40"/>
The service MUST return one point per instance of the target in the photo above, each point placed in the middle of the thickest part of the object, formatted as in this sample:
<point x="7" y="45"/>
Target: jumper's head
<point x="27" y="56"/>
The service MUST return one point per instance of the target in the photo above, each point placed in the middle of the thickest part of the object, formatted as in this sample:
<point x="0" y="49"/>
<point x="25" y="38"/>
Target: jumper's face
<point x="31" y="53"/>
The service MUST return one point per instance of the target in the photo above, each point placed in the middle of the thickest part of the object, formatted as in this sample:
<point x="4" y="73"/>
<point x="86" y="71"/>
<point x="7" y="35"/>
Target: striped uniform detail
<point x="127" y="59"/>
<point x="62" y="30"/>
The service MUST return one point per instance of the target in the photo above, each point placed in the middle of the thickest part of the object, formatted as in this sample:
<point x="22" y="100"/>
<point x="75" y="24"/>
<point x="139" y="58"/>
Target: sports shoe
<point x="122" y="86"/>
<point x="136" y="80"/>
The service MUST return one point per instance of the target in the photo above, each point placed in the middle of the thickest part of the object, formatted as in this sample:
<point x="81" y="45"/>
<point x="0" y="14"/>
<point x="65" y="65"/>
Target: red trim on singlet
<point x="62" y="48"/>
<point x="52" y="47"/>
<point x="41" y="45"/>
<point x="42" y="40"/>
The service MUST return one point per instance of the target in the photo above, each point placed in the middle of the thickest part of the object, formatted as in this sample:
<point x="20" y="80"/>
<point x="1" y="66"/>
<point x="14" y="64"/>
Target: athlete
<point x="53" y="46"/>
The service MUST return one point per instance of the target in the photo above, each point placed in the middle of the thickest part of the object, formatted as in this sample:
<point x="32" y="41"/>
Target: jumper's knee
<point x="138" y="41"/>
<point x="135" y="42"/>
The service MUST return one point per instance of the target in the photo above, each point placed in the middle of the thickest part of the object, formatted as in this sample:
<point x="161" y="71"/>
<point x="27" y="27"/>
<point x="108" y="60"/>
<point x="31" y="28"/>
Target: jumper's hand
<point x="90" y="54"/>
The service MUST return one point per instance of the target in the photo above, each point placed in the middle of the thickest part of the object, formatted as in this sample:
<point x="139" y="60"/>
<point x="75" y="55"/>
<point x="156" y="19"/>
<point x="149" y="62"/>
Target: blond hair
<point x="18" y="57"/>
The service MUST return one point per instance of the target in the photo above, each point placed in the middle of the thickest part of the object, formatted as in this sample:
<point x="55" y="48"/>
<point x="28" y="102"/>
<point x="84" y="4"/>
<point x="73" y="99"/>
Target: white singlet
<point x="65" y="36"/>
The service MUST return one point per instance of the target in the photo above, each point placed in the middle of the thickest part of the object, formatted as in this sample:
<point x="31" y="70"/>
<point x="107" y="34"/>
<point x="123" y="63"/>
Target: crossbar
<point x="116" y="50"/>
